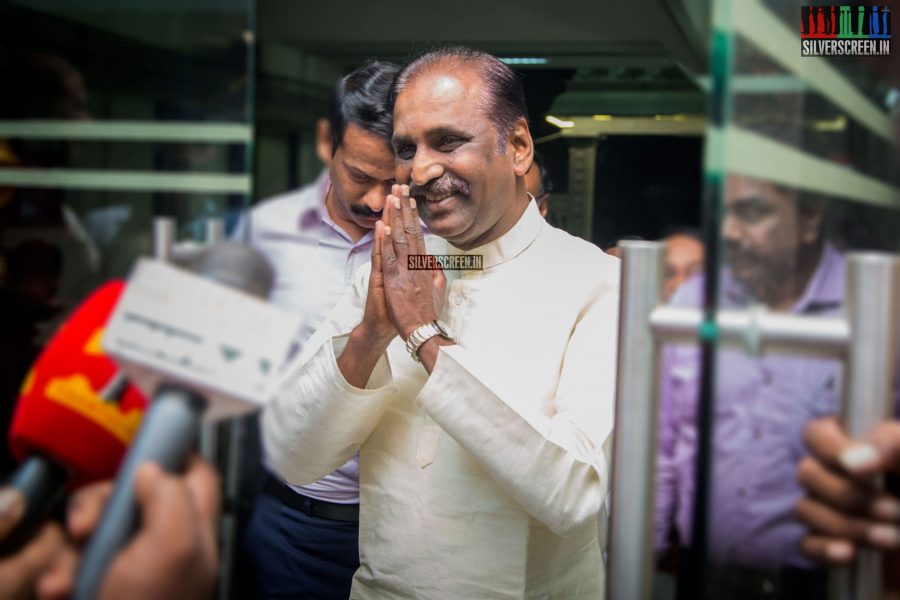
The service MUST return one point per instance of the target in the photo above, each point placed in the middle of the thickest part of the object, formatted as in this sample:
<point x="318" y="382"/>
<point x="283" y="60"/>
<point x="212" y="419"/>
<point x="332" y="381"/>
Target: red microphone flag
<point x="62" y="413"/>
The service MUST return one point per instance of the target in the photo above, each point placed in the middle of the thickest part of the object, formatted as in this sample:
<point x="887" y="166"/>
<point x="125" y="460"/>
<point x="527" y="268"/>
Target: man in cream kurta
<point x="483" y="469"/>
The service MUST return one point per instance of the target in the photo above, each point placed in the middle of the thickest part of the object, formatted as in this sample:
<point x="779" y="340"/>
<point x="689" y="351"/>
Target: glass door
<point x="112" y="114"/>
<point x="801" y="170"/>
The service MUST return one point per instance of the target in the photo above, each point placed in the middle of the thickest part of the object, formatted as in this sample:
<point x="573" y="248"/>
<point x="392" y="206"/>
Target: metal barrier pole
<point x="226" y="433"/>
<point x="634" y="454"/>
<point x="756" y="331"/>
<point x="163" y="238"/>
<point x="214" y="230"/>
<point x="871" y="299"/>
<point x="867" y="337"/>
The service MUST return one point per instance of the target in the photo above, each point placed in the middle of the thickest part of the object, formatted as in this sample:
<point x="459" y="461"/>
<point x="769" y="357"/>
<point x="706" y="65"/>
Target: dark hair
<point x="682" y="230"/>
<point x="33" y="258"/>
<point x="504" y="101"/>
<point x="35" y="83"/>
<point x="546" y="180"/>
<point x="361" y="98"/>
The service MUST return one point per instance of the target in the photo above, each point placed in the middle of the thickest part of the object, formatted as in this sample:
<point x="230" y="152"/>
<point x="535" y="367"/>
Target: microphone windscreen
<point x="74" y="407"/>
<point x="234" y="265"/>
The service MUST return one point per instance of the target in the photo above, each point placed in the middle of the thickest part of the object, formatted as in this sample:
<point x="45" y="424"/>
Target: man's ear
<point x="323" y="141"/>
<point x="522" y="147"/>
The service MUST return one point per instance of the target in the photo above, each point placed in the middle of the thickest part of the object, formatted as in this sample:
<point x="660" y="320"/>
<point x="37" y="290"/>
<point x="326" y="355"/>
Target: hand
<point x="173" y="554"/>
<point x="20" y="572"/>
<point x="842" y="508"/>
<point x="376" y="326"/>
<point x="414" y="297"/>
<point x="84" y="511"/>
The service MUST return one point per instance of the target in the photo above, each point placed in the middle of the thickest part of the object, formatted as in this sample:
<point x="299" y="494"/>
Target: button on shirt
<point x="487" y="478"/>
<point x="314" y="261"/>
<point x="762" y="405"/>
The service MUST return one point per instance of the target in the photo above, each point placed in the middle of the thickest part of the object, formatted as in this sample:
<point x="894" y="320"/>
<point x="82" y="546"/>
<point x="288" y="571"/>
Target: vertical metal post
<point x="230" y="519"/>
<point x="215" y="230"/>
<point x="872" y="297"/>
<point x="163" y="238"/>
<point x="227" y="434"/>
<point x="163" y="243"/>
<point x="634" y="455"/>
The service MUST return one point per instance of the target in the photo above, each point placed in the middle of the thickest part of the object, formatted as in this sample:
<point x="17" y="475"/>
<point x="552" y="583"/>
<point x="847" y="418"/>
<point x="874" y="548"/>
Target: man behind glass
<point x="302" y="541"/>
<point x="776" y="257"/>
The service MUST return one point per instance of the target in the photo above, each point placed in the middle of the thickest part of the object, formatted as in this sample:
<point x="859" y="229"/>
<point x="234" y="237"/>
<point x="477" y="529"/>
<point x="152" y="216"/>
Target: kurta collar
<point x="513" y="242"/>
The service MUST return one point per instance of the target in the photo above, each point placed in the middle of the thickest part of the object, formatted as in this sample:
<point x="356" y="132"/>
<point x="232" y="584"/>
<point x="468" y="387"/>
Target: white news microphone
<point x="202" y="345"/>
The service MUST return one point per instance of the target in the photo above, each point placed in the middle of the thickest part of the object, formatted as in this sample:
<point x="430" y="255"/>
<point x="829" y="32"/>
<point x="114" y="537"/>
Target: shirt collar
<point x="313" y="215"/>
<point x="826" y="288"/>
<point x="513" y="242"/>
<point x="322" y="216"/>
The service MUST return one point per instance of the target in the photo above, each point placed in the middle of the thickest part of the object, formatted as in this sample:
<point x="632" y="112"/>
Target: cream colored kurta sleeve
<point x="316" y="420"/>
<point x="554" y="466"/>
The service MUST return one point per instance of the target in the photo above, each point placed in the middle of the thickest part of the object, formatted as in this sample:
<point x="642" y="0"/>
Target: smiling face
<point x="361" y="171"/>
<point x="468" y="192"/>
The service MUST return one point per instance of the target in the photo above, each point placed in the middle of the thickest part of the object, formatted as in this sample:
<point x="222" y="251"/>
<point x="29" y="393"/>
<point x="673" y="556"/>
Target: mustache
<point x="734" y="253"/>
<point x="445" y="185"/>
<point x="362" y="210"/>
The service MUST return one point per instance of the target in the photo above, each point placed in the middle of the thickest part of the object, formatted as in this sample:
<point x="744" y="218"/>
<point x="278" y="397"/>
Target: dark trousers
<point x="791" y="583"/>
<point x="291" y="555"/>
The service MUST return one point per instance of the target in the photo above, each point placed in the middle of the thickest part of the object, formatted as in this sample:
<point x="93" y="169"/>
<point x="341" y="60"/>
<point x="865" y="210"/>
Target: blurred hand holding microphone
<point x="75" y="416"/>
<point x="202" y="345"/>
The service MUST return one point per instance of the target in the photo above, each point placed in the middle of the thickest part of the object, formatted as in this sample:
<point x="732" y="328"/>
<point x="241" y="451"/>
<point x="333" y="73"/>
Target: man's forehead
<point x="433" y="92"/>
<point x="742" y="190"/>
<point x="444" y="78"/>
<point x="683" y="246"/>
<point x="372" y="162"/>
<point x="739" y="185"/>
<point x="444" y="85"/>
<point x="365" y="151"/>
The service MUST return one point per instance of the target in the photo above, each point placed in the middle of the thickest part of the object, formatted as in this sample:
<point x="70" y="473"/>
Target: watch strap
<point x="422" y="334"/>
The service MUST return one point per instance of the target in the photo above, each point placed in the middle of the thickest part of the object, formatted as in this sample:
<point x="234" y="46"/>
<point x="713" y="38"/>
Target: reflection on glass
<point x="805" y="171"/>
<point x="777" y="257"/>
<point x="89" y="154"/>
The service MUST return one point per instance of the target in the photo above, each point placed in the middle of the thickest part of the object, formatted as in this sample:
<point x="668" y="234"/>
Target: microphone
<point x="75" y="415"/>
<point x="204" y="344"/>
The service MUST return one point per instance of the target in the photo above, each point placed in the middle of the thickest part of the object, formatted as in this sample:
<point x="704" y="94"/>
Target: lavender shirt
<point x="762" y="405"/>
<point x="314" y="260"/>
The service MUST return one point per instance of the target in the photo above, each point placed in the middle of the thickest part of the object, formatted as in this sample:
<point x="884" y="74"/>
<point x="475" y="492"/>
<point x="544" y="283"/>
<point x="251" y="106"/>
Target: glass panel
<point x="800" y="170"/>
<point x="111" y="113"/>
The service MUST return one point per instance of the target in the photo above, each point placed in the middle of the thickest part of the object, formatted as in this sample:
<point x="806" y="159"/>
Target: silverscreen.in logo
<point x="849" y="30"/>
<point x="446" y="262"/>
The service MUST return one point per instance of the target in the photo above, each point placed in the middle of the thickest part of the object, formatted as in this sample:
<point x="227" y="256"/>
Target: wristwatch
<point x="423" y="333"/>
